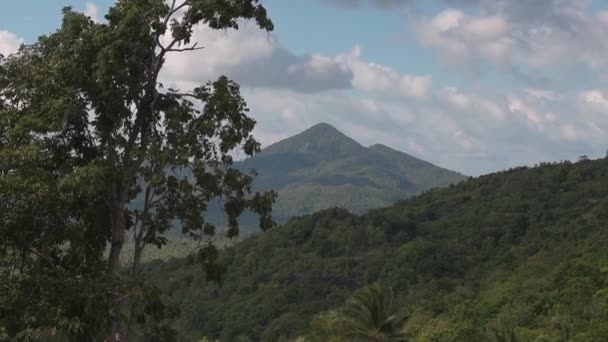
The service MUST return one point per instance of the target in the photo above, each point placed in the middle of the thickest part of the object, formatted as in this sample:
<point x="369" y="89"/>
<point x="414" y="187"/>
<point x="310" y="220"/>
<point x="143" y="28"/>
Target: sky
<point x="476" y="86"/>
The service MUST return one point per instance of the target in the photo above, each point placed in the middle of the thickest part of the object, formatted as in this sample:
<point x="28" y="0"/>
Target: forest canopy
<point x="521" y="252"/>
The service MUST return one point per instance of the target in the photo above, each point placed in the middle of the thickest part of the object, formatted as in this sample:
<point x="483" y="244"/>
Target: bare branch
<point x="185" y="95"/>
<point x="144" y="213"/>
<point x="45" y="258"/>
<point x="191" y="48"/>
<point x="157" y="200"/>
<point x="172" y="11"/>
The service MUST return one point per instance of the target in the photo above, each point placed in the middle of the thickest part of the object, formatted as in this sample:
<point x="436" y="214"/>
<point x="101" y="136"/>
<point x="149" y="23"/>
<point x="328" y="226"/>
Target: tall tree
<point x="85" y="128"/>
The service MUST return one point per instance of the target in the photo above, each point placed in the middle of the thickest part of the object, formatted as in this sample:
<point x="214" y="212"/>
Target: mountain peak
<point x="322" y="127"/>
<point x="324" y="131"/>
<point x="322" y="168"/>
<point x="322" y="140"/>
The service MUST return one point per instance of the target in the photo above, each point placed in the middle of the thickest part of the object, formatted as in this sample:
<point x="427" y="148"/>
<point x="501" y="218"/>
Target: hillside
<point x="322" y="168"/>
<point x="524" y="247"/>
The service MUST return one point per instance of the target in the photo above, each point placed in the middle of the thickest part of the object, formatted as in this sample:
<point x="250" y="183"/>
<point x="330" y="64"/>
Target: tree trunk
<point x="134" y="310"/>
<point x="113" y="297"/>
<point x="139" y="245"/>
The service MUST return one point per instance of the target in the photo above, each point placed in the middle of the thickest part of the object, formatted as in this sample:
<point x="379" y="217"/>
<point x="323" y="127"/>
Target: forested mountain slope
<point x="524" y="247"/>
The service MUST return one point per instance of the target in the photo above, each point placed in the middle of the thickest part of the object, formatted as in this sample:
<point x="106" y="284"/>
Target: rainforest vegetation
<point x="108" y="176"/>
<point x="522" y="251"/>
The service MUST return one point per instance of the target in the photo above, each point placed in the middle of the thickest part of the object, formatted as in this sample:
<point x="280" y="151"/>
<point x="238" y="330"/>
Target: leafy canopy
<point x="85" y="128"/>
<point x="370" y="315"/>
<point x="516" y="253"/>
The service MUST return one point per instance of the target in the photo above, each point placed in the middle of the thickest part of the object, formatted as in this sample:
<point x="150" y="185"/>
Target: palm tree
<point x="370" y="316"/>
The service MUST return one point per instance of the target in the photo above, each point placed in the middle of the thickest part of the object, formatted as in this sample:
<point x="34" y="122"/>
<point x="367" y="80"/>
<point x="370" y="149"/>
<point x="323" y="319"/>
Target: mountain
<point x="521" y="252"/>
<point x="322" y="168"/>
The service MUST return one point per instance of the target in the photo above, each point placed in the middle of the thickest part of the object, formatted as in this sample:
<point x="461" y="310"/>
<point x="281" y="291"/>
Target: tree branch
<point x="45" y="258"/>
<point x="191" y="48"/>
<point x="185" y="95"/>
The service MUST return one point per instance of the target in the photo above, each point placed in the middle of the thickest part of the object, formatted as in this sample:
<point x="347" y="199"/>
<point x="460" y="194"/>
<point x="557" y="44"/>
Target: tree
<point x="322" y="328"/>
<point x="85" y="128"/>
<point x="501" y="331"/>
<point x="370" y="315"/>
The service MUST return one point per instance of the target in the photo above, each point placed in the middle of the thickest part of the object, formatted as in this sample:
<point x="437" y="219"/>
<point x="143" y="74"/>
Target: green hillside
<point x="322" y="168"/>
<point x="522" y="249"/>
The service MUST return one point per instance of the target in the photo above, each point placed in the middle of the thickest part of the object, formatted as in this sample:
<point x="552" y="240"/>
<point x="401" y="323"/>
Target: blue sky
<point x="472" y="85"/>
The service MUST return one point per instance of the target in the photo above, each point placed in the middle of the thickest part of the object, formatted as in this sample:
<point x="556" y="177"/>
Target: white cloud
<point x="255" y="58"/>
<point x="258" y="59"/>
<point x="486" y="109"/>
<point x="534" y="34"/>
<point x="491" y="108"/>
<point x="415" y="86"/>
<point x="372" y="77"/>
<point x="486" y="28"/>
<point x="91" y="10"/>
<point x="9" y="42"/>
<point x="594" y="111"/>
<point x="457" y="99"/>
<point x="532" y="116"/>
<point x="447" y="20"/>
<point x="460" y="38"/>
<point x="595" y="99"/>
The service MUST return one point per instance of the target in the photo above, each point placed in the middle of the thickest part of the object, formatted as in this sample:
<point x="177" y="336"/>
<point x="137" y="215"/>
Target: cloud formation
<point x="257" y="59"/>
<point x="531" y="34"/>
<point x="379" y="79"/>
<point x="9" y="42"/>
<point x="91" y="10"/>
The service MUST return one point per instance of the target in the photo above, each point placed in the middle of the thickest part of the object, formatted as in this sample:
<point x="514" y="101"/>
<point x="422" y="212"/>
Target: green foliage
<point x="322" y="328"/>
<point x="85" y="128"/>
<point x="500" y="331"/>
<point x="525" y="246"/>
<point x="369" y="316"/>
